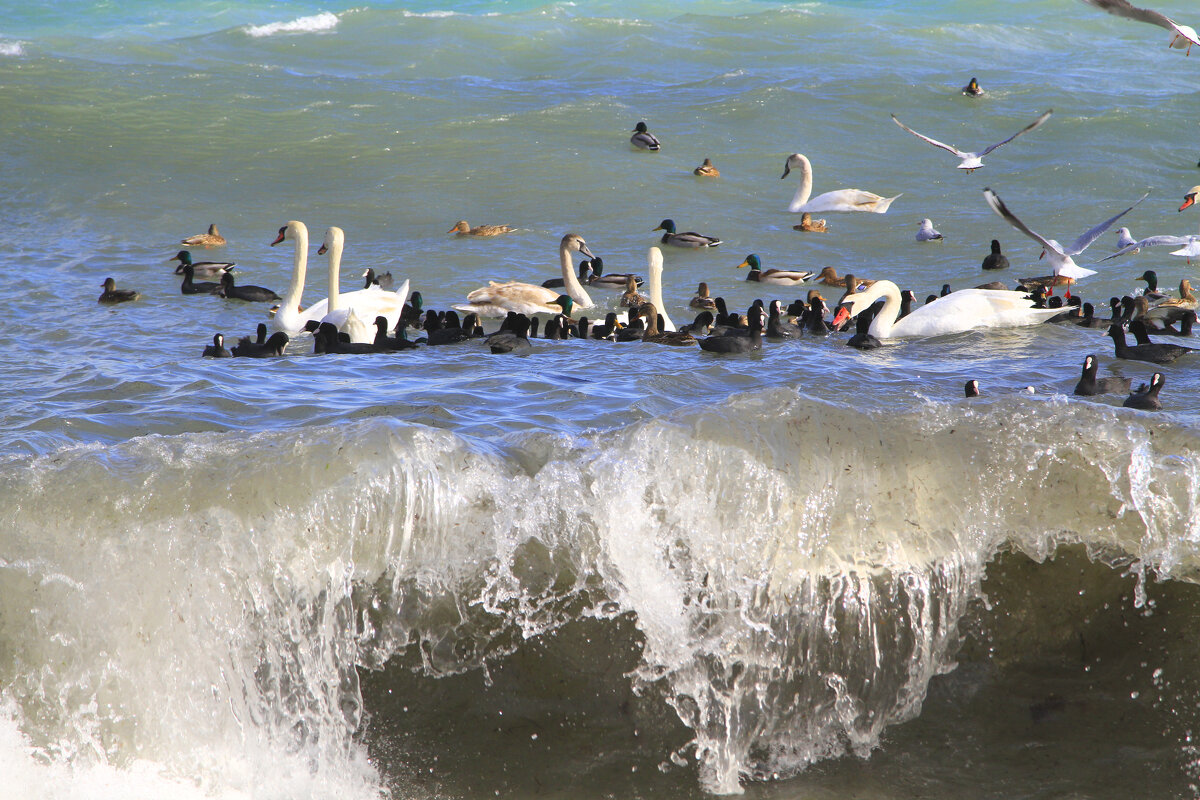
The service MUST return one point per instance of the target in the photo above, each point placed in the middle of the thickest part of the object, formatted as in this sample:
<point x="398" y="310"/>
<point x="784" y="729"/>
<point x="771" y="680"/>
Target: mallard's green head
<point x="752" y="262"/>
<point x="183" y="257"/>
<point x="565" y="302"/>
<point x="667" y="225"/>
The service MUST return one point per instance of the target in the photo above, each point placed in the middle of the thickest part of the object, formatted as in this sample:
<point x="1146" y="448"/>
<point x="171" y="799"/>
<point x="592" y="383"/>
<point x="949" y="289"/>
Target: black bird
<point x="1185" y="326"/>
<point x="814" y="321"/>
<point x="1090" y="385"/>
<point x="191" y="287"/>
<point x="1145" y="396"/>
<point x="511" y="339"/>
<point x="736" y="343"/>
<point x="946" y="289"/>
<point x="383" y="280"/>
<point x="971" y="388"/>
<point x="328" y="340"/>
<point x="217" y="348"/>
<point x="271" y="347"/>
<point x="995" y="259"/>
<point x="700" y="325"/>
<point x="384" y="342"/>
<point x="251" y="294"/>
<point x="450" y="332"/>
<point x="862" y="338"/>
<point x="1156" y="352"/>
<point x="112" y="294"/>
<point x="778" y="327"/>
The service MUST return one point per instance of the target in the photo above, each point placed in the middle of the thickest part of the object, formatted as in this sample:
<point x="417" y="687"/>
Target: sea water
<point x="597" y="570"/>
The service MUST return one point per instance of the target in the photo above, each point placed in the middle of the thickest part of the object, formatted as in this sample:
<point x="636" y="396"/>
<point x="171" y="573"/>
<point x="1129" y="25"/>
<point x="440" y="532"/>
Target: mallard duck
<point x="643" y="139"/>
<point x="211" y="239"/>
<point x="972" y="89"/>
<point x="649" y="312"/>
<point x="776" y="277"/>
<point x="702" y="299"/>
<point x="1172" y="309"/>
<point x="810" y="225"/>
<point x="217" y="348"/>
<point x="463" y="228"/>
<point x="686" y="239"/>
<point x="591" y="272"/>
<point x="829" y="277"/>
<point x="631" y="298"/>
<point x="1152" y="290"/>
<point x="707" y="170"/>
<point x="201" y="269"/>
<point x="112" y="294"/>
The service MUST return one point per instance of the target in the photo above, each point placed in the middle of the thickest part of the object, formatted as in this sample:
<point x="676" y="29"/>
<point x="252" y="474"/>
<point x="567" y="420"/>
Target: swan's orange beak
<point x="1188" y="201"/>
<point x="279" y="238"/>
<point x="321" y="250"/>
<point x="841" y="316"/>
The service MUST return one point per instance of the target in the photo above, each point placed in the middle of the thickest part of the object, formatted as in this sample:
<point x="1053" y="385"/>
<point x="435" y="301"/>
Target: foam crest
<point x="316" y="23"/>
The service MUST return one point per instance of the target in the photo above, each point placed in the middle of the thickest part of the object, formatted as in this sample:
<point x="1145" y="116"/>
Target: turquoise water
<point x="595" y="570"/>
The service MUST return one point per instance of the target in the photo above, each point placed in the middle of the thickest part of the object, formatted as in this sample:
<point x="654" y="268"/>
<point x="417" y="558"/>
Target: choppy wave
<point x="10" y="48"/>
<point x="312" y="24"/>
<point x="797" y="572"/>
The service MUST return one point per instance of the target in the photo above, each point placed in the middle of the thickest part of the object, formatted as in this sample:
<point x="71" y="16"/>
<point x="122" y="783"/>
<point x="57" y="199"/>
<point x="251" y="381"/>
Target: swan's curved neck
<point x="655" y="268"/>
<point x="335" y="273"/>
<point x="806" y="180"/>
<point x="571" y="283"/>
<point x="291" y="299"/>
<point x="885" y="320"/>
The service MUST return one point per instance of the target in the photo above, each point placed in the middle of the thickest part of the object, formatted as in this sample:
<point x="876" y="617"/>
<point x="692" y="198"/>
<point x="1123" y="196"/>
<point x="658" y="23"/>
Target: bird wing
<point x="1036" y="123"/>
<point x="1150" y="241"/>
<point x="998" y="206"/>
<point x="1082" y="243"/>
<point x="948" y="148"/>
<point x="1122" y="8"/>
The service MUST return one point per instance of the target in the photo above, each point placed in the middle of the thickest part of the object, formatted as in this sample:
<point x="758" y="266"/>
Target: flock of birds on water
<point x="378" y="317"/>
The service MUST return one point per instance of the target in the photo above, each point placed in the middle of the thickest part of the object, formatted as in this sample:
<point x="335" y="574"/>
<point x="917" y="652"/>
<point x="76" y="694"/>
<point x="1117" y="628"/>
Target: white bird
<point x="1189" y="246"/>
<point x="1125" y="238"/>
<point x="964" y="310"/>
<point x="1182" y="36"/>
<point x="497" y="299"/>
<point x="971" y="161"/>
<point x="840" y="200"/>
<point x="654" y="264"/>
<point x="1058" y="256"/>
<point x="354" y="313"/>
<point x="288" y="316"/>
<point x="927" y="233"/>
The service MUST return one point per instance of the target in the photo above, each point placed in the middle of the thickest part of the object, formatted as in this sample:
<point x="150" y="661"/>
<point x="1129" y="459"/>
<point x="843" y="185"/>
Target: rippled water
<point x="673" y="572"/>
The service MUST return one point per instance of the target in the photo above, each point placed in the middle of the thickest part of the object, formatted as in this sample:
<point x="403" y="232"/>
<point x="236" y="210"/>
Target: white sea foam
<point x="11" y="48"/>
<point x="314" y="24"/>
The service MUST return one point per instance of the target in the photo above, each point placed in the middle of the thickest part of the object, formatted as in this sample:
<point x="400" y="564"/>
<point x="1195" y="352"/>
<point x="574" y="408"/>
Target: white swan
<point x="288" y="317"/>
<point x="655" y="267"/>
<point x="354" y="313"/>
<point x="497" y="299"/>
<point x="964" y="310"/>
<point x="840" y="200"/>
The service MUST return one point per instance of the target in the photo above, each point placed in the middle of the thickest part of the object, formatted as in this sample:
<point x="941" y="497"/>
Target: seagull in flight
<point x="1182" y="36"/>
<point x="1058" y="256"/>
<point x="1189" y="246"/>
<point x="973" y="161"/>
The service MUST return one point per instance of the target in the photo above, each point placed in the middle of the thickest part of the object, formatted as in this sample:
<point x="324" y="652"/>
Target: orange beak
<point x="321" y="250"/>
<point x="841" y="316"/>
<point x="1188" y="201"/>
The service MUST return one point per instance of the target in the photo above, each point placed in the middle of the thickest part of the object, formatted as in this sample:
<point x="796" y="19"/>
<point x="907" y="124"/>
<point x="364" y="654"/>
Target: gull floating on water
<point x="1058" y="256"/>
<point x="971" y="161"/>
<point x="927" y="233"/>
<point x="1182" y="36"/>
